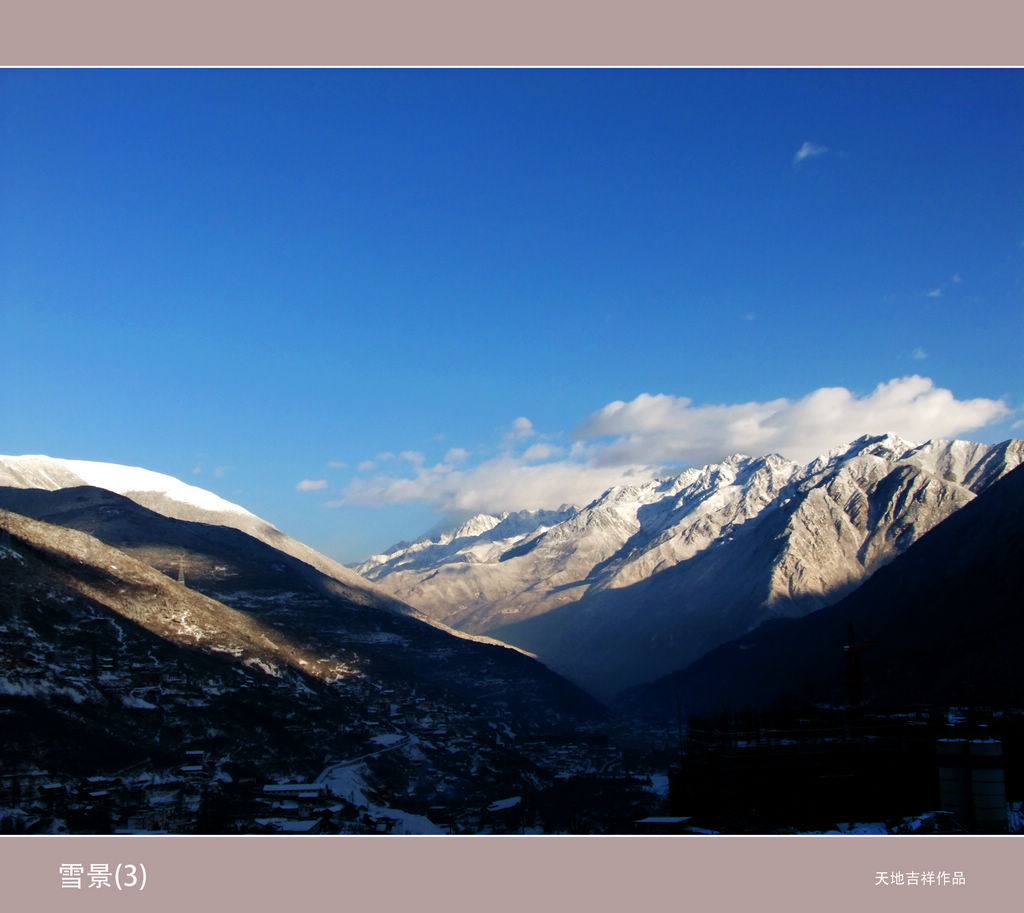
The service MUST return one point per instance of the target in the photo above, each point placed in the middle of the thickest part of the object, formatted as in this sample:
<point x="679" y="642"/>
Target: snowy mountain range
<point x="648" y="578"/>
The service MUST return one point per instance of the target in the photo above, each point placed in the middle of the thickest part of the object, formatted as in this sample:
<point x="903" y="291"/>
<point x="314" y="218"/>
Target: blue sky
<point x="501" y="288"/>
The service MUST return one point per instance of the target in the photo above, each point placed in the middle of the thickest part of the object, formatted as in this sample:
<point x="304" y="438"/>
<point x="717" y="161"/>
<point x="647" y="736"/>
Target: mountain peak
<point x="51" y="473"/>
<point x="476" y="525"/>
<point x="887" y="445"/>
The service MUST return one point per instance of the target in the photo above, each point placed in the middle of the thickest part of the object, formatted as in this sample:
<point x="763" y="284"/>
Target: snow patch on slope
<point x="126" y="479"/>
<point x="51" y="473"/>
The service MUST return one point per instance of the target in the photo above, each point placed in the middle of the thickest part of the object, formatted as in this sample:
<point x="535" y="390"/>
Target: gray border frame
<point x="513" y="873"/>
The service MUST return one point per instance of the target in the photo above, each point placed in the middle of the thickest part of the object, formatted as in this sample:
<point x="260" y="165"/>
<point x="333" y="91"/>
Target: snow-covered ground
<point x="347" y="781"/>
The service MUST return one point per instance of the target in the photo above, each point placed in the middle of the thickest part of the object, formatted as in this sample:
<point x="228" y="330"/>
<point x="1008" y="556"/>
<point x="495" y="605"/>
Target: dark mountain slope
<point x="306" y="607"/>
<point x="110" y="670"/>
<point x="106" y="661"/>
<point x="210" y="555"/>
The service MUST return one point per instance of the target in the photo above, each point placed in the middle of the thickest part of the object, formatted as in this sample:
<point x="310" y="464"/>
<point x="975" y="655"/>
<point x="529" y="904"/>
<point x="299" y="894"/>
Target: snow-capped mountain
<point x="515" y="570"/>
<point x="178" y="500"/>
<point x="478" y="543"/>
<point x="647" y="578"/>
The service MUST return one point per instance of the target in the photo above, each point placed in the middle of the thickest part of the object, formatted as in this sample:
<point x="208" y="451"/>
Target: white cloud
<point x="542" y="452"/>
<point x="957" y="279"/>
<point x="633" y="441"/>
<point x="338" y="464"/>
<point x="667" y="429"/>
<point x="522" y="428"/>
<point x="502" y="483"/>
<point x="808" y="150"/>
<point x="919" y="354"/>
<point x="412" y="456"/>
<point x="935" y="293"/>
<point x="311" y="485"/>
<point x="456" y="455"/>
<point x="366" y="466"/>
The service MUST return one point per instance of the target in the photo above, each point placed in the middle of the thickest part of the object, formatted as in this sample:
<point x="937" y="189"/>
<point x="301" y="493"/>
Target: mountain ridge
<point x="170" y="497"/>
<point x="174" y="499"/>
<point x="648" y="577"/>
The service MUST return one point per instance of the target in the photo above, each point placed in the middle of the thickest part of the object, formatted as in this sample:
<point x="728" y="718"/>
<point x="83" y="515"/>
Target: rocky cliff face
<point x="943" y="621"/>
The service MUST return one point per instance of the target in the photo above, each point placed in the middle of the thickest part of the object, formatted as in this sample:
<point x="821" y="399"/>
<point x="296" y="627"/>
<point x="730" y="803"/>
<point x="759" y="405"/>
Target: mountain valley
<point x="172" y="663"/>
